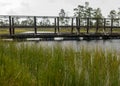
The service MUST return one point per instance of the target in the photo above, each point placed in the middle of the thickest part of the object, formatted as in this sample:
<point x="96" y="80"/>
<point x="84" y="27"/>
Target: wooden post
<point x="55" y="24"/>
<point x="35" y="25"/>
<point x="104" y="24"/>
<point x="13" y="28"/>
<point x="58" y="24"/>
<point x="118" y="22"/>
<point x="10" y="29"/>
<point x="72" y="26"/>
<point x="79" y="25"/>
<point x="111" y="25"/>
<point x="97" y="25"/>
<point x="87" y="25"/>
<point x="76" y="22"/>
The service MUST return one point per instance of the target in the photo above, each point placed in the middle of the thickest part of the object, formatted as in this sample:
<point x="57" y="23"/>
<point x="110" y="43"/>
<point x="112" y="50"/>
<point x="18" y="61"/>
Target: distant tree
<point x="83" y="11"/>
<point x="86" y="5"/>
<point x="45" y="21"/>
<point x="1" y="22"/>
<point x="118" y="14"/>
<point x="40" y="23"/>
<point x="6" y="22"/>
<point x="78" y="12"/>
<point x="87" y="10"/>
<point x="62" y="15"/>
<point x="16" y="21"/>
<point x="24" y="22"/>
<point x="97" y="13"/>
<point x="30" y="21"/>
<point x="112" y="14"/>
<point x="90" y="12"/>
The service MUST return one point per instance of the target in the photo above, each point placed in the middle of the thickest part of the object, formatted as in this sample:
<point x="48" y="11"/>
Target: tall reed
<point x="33" y="65"/>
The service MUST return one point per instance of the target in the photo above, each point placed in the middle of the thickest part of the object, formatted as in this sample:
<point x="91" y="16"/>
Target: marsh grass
<point x="24" y="65"/>
<point x="62" y="30"/>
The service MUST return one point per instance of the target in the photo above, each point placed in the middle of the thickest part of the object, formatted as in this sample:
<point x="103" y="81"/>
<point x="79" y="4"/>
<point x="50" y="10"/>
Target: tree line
<point x="86" y="11"/>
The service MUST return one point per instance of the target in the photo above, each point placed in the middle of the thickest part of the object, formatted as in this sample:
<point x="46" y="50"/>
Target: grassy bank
<point x="62" y="30"/>
<point x="24" y="65"/>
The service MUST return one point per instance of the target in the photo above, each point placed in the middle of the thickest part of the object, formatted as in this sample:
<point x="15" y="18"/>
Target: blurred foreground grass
<point x="32" y="65"/>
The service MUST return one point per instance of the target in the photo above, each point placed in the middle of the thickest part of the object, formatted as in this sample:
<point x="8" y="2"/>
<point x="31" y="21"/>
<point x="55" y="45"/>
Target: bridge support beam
<point x="87" y="25"/>
<point x="97" y="25"/>
<point x="72" y="26"/>
<point x="55" y="25"/>
<point x="13" y="28"/>
<point x="35" y="25"/>
<point x="104" y="26"/>
<point x="111" y="26"/>
<point x="77" y="25"/>
<point x="58" y="24"/>
<point x="10" y="28"/>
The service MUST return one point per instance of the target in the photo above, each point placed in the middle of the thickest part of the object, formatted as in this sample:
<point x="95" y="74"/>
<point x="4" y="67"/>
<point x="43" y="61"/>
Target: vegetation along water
<point x="32" y="65"/>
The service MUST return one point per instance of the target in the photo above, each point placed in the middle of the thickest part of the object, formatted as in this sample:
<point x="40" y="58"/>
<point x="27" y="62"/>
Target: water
<point x="111" y="44"/>
<point x="103" y="44"/>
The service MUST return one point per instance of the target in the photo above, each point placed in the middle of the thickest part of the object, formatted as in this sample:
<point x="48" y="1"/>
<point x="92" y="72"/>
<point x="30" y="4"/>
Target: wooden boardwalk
<point x="74" y="24"/>
<point x="66" y="36"/>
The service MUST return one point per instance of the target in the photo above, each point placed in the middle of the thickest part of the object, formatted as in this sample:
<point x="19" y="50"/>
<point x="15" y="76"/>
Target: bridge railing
<point x="56" y="23"/>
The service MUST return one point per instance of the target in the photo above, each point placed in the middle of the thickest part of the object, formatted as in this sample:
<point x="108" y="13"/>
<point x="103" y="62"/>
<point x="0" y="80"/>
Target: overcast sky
<point x="52" y="7"/>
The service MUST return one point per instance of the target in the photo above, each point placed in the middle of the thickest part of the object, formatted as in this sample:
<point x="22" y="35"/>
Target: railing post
<point x="104" y="24"/>
<point x="72" y="26"/>
<point x="55" y="24"/>
<point x="35" y="25"/>
<point x="111" y="25"/>
<point x="97" y="25"/>
<point x="87" y="25"/>
<point x="10" y="29"/>
<point x="77" y="24"/>
<point x="13" y="28"/>
<point x="58" y="24"/>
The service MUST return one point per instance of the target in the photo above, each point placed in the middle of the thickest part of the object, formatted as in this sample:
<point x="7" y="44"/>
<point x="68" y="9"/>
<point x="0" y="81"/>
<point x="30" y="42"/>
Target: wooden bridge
<point x="75" y="28"/>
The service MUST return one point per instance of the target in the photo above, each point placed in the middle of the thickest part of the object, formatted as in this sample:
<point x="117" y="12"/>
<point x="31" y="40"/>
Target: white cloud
<point x="51" y="7"/>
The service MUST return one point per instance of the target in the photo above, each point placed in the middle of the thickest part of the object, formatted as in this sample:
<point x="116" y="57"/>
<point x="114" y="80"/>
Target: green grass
<point x="6" y="31"/>
<point x="33" y="65"/>
<point x="67" y="30"/>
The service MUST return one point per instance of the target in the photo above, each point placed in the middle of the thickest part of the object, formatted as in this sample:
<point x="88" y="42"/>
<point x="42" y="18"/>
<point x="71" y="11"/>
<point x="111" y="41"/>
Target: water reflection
<point x="103" y="44"/>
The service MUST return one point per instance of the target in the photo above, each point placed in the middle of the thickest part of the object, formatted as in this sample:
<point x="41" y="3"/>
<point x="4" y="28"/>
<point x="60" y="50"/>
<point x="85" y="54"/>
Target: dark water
<point x="103" y="44"/>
